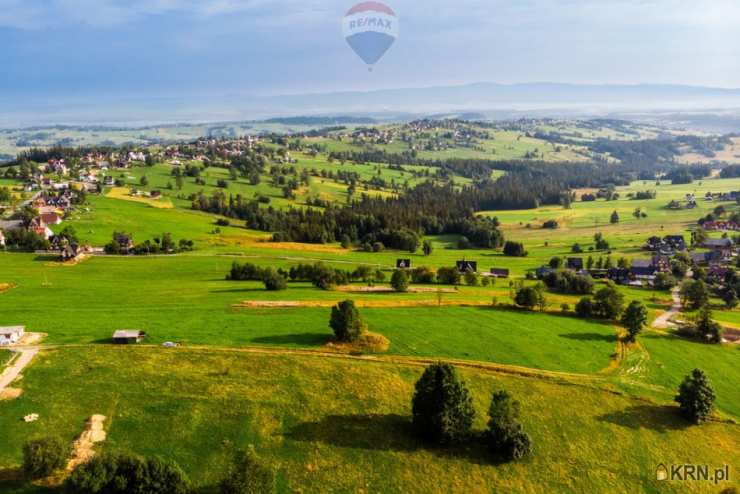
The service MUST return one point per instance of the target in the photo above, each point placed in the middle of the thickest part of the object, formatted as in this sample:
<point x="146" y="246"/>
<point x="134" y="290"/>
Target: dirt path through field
<point x="16" y="367"/>
<point x="663" y="321"/>
<point x="82" y="449"/>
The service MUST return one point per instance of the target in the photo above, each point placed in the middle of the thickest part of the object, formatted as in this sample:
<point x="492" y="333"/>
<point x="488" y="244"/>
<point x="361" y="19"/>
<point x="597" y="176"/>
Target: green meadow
<point x="314" y="417"/>
<point x="591" y="403"/>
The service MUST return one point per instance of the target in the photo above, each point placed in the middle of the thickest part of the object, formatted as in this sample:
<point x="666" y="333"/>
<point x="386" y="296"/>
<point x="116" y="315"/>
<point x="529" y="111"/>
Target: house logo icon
<point x="661" y="473"/>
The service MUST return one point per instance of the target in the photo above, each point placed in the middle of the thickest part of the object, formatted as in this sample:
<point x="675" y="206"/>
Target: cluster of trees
<point x="443" y="414"/>
<point x="25" y="240"/>
<point x="606" y="303"/>
<point x="397" y="222"/>
<point x="164" y="244"/>
<point x="569" y="282"/>
<point x="514" y="249"/>
<point x="274" y="280"/>
<point x="123" y="473"/>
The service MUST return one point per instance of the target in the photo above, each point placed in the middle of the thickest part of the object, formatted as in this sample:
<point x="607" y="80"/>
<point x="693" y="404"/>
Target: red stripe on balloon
<point x="374" y="6"/>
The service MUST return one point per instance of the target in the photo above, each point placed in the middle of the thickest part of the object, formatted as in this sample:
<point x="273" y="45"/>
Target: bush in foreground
<point x="124" y="473"/>
<point x="442" y="407"/>
<point x="42" y="456"/>
<point x="346" y="322"/>
<point x="696" y="397"/>
<point x="506" y="438"/>
<point x="248" y="475"/>
<point x="400" y="281"/>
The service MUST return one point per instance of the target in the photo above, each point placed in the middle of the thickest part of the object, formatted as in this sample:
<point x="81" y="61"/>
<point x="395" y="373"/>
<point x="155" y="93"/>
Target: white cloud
<point x="106" y="13"/>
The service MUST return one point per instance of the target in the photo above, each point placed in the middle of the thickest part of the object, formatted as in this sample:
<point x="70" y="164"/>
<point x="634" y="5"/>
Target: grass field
<point x="5" y="356"/>
<point x="592" y="404"/>
<point x="313" y="417"/>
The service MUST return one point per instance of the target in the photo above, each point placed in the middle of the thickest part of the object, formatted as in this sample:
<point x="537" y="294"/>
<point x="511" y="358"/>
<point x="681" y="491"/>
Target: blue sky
<point x="113" y="48"/>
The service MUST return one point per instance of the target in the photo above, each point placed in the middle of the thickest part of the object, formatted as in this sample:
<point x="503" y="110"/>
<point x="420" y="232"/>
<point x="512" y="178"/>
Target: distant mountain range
<point x="491" y="100"/>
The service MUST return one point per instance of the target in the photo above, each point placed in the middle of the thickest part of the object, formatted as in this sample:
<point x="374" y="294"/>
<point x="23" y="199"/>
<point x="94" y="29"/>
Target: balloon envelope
<point x="370" y="29"/>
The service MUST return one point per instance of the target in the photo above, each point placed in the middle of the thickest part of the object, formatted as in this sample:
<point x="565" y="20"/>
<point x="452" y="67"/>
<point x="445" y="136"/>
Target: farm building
<point x="500" y="272"/>
<point x="575" y="263"/>
<point x="128" y="336"/>
<point x="11" y="335"/>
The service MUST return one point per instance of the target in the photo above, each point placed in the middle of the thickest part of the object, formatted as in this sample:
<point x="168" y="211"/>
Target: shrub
<point x="471" y="279"/>
<point x="705" y="328"/>
<point x="696" y="397"/>
<point x="530" y="297"/>
<point x="248" y="475"/>
<point x="378" y="247"/>
<point x="506" y="438"/>
<point x="442" y="407"/>
<point x="576" y="249"/>
<point x="223" y="222"/>
<point x="346" y="322"/>
<point x="585" y="307"/>
<point x="514" y="249"/>
<point x="422" y="275"/>
<point x="550" y="224"/>
<point x="119" y="473"/>
<point x="400" y="281"/>
<point x="448" y="276"/>
<point x="41" y="457"/>
<point x="273" y="280"/>
<point x="556" y="263"/>
<point x="245" y="272"/>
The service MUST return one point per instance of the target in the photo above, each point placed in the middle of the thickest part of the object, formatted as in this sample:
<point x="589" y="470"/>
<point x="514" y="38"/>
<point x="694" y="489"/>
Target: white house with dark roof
<point x="11" y="335"/>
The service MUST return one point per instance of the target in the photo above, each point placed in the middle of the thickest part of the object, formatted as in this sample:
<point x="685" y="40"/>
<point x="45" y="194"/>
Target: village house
<point x="39" y="227"/>
<point x="724" y="246"/>
<point x="128" y="336"/>
<point x="499" y="273"/>
<point x="647" y="269"/>
<point x="717" y="273"/>
<point x="667" y="246"/>
<point x="720" y="225"/>
<point x="11" y="335"/>
<point x="707" y="258"/>
<point x="50" y="218"/>
<point x="574" y="263"/>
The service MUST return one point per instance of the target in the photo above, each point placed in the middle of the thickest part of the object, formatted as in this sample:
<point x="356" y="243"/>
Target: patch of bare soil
<point x="731" y="335"/>
<point x="73" y="262"/>
<point x="369" y="304"/>
<point x="4" y="287"/>
<point x="368" y="343"/>
<point x="388" y="289"/>
<point x="82" y="448"/>
<point x="10" y="393"/>
<point x="30" y="339"/>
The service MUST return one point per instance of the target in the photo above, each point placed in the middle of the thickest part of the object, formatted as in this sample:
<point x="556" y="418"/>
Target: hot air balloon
<point x="370" y="29"/>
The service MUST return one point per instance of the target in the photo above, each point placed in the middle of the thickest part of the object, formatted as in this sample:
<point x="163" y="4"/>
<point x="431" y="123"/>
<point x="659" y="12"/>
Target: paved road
<point x="20" y="363"/>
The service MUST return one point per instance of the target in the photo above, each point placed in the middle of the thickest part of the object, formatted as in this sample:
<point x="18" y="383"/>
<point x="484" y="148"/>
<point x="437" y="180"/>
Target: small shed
<point x="500" y="272"/>
<point x="11" y="334"/>
<point x="128" y="336"/>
